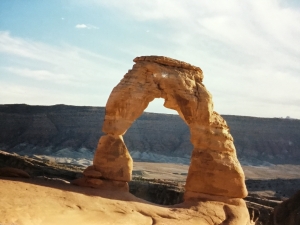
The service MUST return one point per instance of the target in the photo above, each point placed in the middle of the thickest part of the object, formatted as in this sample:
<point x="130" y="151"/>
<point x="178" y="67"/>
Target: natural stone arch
<point x="214" y="169"/>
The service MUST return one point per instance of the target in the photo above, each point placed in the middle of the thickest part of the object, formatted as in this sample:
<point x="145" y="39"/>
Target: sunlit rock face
<point x="215" y="172"/>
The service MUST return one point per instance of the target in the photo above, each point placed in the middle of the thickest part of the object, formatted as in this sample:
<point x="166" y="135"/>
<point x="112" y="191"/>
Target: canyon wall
<point x="47" y="130"/>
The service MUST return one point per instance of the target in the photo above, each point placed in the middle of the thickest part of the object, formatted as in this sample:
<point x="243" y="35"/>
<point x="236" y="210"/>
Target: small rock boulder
<point x="13" y="172"/>
<point x="288" y="212"/>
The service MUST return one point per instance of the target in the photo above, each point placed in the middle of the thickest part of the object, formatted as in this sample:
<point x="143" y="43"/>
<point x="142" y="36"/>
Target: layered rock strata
<point x="215" y="172"/>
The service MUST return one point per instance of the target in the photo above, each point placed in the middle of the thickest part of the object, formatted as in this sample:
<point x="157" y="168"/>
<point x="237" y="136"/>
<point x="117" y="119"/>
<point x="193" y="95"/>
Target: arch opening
<point x="157" y="137"/>
<point x="157" y="106"/>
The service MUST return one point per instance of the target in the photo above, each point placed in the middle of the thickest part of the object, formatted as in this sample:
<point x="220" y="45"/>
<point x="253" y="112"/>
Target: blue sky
<point x="75" y="51"/>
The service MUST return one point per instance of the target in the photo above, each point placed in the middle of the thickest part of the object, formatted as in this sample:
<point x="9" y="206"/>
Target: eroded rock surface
<point x="35" y="167"/>
<point x="215" y="173"/>
<point x="288" y="212"/>
<point x="13" y="172"/>
<point x="163" y="192"/>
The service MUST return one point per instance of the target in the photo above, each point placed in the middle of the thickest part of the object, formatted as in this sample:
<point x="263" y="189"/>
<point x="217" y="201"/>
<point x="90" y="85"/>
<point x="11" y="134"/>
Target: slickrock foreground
<point x="41" y="202"/>
<point x="215" y="178"/>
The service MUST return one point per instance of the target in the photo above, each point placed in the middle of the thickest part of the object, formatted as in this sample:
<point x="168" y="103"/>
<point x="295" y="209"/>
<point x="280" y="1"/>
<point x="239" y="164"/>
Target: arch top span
<point x="168" y="62"/>
<point x="178" y="83"/>
<point x="214" y="169"/>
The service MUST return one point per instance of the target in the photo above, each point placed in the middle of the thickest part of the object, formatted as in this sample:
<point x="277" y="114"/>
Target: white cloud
<point x="15" y="46"/>
<point x="86" y="26"/>
<point x="39" y="95"/>
<point x="249" y="50"/>
<point x="41" y="75"/>
<point x="252" y="27"/>
<point x="81" y="26"/>
<point x="69" y="69"/>
<point x="60" y="57"/>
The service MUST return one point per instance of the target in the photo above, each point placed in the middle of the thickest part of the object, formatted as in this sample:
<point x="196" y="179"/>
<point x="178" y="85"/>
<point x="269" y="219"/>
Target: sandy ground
<point x="169" y="171"/>
<point x="273" y="172"/>
<point x="40" y="202"/>
<point x="179" y="172"/>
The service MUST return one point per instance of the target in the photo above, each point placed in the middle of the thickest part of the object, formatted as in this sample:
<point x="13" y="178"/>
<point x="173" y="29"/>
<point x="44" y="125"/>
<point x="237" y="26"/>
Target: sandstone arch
<point x="214" y="169"/>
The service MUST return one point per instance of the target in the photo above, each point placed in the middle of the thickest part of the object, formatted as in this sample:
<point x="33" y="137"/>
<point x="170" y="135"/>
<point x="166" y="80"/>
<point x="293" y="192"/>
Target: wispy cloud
<point x="86" y="26"/>
<point x="249" y="51"/>
<point x="40" y="95"/>
<point x="66" y="68"/>
<point x="41" y="75"/>
<point x="253" y="28"/>
<point x="61" y="58"/>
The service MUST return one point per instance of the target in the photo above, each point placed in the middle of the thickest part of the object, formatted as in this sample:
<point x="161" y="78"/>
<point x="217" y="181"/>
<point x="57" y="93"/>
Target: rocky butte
<point x="215" y="180"/>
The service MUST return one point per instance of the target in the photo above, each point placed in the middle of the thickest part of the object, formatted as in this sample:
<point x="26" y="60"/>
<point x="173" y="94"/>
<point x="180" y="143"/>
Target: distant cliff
<point x="48" y="130"/>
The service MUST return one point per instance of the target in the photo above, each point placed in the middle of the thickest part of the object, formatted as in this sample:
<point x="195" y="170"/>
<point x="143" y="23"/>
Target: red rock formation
<point x="215" y="172"/>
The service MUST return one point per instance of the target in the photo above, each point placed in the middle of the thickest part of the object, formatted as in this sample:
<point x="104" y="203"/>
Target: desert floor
<point x="179" y="171"/>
